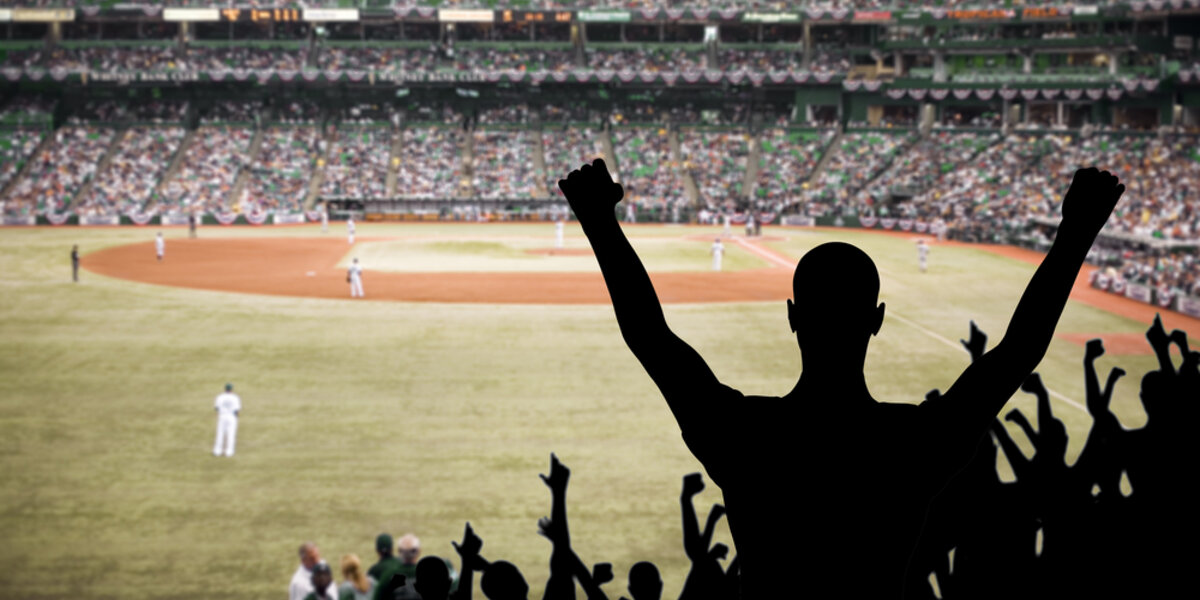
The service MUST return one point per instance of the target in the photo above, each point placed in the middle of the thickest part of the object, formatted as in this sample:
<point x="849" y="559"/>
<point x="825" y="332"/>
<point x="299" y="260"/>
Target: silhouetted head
<point x="433" y="579"/>
<point x="836" y="293"/>
<point x="503" y="581"/>
<point x="644" y="582"/>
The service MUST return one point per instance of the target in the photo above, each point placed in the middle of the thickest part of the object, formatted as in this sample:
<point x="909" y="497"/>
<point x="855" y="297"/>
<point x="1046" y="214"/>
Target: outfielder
<point x="718" y="251"/>
<point x="727" y="219"/>
<point x="354" y="278"/>
<point x="228" y="406"/>
<point x="160" y="246"/>
<point x="350" y="229"/>
<point x="324" y="217"/>
<point x="558" y="234"/>
<point x="922" y="254"/>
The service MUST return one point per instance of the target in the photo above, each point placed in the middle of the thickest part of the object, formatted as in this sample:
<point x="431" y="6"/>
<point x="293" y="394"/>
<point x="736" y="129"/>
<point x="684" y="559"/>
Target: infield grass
<point x="374" y="416"/>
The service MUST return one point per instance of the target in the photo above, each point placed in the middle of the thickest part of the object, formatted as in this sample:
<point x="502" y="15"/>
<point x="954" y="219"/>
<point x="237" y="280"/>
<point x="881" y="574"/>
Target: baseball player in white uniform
<point x="324" y="217"/>
<point x="354" y="278"/>
<point x="350" y="229"/>
<point x="558" y="234"/>
<point x="228" y="406"/>
<point x="922" y="254"/>
<point x="718" y="252"/>
<point x="160" y="246"/>
<point x="727" y="221"/>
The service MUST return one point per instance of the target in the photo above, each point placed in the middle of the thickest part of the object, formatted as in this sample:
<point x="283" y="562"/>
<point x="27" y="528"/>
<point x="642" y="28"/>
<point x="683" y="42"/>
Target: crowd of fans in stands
<point x="133" y="172"/>
<point x="59" y="171"/>
<point x="357" y="163"/>
<point x="1096" y="527"/>
<point x="430" y="167"/>
<point x="209" y="168"/>
<point x="503" y="165"/>
<point x="282" y="171"/>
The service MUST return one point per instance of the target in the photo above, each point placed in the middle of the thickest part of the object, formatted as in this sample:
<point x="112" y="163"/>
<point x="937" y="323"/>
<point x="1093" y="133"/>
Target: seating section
<point x="568" y="148"/>
<point x="209" y="168"/>
<point x="503" y="164"/>
<point x="717" y="163"/>
<point x="60" y="171"/>
<point x="430" y="166"/>
<point x="16" y="146"/>
<point x="133" y="172"/>
<point x="280" y="176"/>
<point x="786" y="160"/>
<point x="648" y="173"/>
<point x="357" y="163"/>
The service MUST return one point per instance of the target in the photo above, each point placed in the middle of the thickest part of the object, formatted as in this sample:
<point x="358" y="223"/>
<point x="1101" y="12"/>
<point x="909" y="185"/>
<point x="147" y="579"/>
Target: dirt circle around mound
<point x="308" y="267"/>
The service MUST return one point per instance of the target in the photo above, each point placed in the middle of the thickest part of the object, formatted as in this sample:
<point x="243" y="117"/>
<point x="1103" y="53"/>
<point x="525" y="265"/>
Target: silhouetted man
<point x="826" y="489"/>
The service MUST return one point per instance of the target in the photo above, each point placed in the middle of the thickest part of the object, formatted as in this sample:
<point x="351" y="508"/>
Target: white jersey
<point x="159" y="245"/>
<point x="922" y="252"/>
<point x="227" y="405"/>
<point x="355" y="271"/>
<point x="350" y="226"/>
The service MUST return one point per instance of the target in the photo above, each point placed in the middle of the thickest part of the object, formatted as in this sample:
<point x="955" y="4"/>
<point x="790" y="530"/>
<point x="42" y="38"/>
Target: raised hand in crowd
<point x="468" y="553"/>
<point x="565" y="565"/>
<point x="706" y="579"/>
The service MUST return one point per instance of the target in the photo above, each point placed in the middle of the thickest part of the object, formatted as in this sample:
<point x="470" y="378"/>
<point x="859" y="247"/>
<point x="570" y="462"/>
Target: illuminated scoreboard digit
<point x="529" y="16"/>
<point x="261" y="15"/>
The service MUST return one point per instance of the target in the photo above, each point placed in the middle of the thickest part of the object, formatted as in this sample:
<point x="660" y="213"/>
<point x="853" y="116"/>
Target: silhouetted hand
<point x="559" y="475"/>
<point x="602" y="573"/>
<point x="719" y="552"/>
<point x="1094" y="349"/>
<point x="1090" y="200"/>
<point x="977" y="344"/>
<point x="471" y="544"/>
<point x="1156" y="335"/>
<point x="591" y="192"/>
<point x="693" y="483"/>
<point x="395" y="582"/>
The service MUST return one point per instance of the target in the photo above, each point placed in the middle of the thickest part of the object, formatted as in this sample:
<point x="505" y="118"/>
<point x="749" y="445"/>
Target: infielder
<point x="324" y="217"/>
<point x="630" y="213"/>
<point x="228" y="406"/>
<point x="922" y="254"/>
<point x="718" y="251"/>
<point x="727" y="220"/>
<point x="558" y="234"/>
<point x="350" y="229"/>
<point x="354" y="278"/>
<point x="160" y="246"/>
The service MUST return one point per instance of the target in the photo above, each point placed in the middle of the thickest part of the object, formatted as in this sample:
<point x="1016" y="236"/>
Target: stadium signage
<point x="255" y="15"/>
<point x="191" y="14"/>
<point x="971" y="15"/>
<point x="872" y="15"/>
<point x="5" y="14"/>
<point x="1045" y="12"/>
<point x="127" y="77"/>
<point x="757" y="17"/>
<point x="330" y="15"/>
<point x="466" y="16"/>
<point x="1086" y="10"/>
<point x="42" y="15"/>
<point x="432" y="76"/>
<point x="605" y="16"/>
<point x="533" y="16"/>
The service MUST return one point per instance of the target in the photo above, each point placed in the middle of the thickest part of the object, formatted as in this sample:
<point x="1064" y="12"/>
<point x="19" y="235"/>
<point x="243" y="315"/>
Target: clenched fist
<point x="1091" y="199"/>
<point x="591" y="192"/>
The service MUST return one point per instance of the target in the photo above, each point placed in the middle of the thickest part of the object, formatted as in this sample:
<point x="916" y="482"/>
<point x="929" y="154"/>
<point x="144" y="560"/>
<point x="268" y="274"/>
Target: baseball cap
<point x="322" y="567"/>
<point x="383" y="543"/>
<point x="229" y="387"/>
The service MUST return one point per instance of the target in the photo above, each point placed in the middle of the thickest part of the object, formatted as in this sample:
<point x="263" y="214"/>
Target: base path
<point x="308" y="267"/>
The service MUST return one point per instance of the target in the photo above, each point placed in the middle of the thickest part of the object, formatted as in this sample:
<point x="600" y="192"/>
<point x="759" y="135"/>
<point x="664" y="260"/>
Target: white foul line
<point x="956" y="346"/>
<point x="765" y="254"/>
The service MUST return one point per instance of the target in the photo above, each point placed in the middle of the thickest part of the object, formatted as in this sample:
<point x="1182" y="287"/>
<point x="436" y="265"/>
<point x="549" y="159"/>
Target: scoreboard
<point x="530" y="16"/>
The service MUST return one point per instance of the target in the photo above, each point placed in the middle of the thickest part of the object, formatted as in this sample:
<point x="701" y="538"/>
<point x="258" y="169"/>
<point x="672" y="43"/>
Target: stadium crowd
<point x="1097" y="527"/>
<point x="133" y="171"/>
<point x="503" y="165"/>
<point x="59" y="171"/>
<point x="282" y="171"/>
<point x="357" y="163"/>
<point x="430" y="167"/>
<point x="209" y="168"/>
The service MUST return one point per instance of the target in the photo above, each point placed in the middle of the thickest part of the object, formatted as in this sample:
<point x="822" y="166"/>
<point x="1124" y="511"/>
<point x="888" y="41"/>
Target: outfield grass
<point x="361" y="417"/>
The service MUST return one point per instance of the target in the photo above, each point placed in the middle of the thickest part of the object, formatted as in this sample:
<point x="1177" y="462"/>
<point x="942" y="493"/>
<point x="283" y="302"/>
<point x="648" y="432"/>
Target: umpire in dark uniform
<point x="75" y="263"/>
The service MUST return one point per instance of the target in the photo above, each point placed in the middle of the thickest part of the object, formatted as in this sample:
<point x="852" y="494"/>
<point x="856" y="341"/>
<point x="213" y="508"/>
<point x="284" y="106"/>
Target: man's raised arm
<point x="673" y="365"/>
<point x="990" y="381"/>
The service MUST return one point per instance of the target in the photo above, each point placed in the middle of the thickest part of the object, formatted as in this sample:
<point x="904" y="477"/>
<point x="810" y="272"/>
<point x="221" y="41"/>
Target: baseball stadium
<point x="290" y="151"/>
